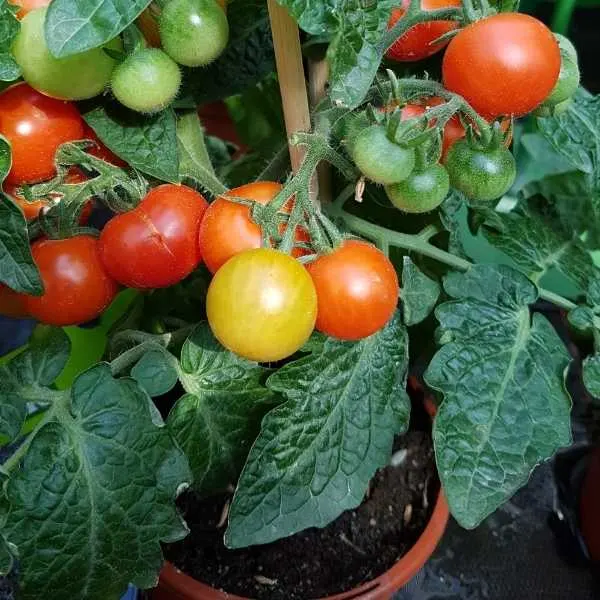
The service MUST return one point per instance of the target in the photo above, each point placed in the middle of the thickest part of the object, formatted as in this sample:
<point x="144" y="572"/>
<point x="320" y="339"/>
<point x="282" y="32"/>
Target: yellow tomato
<point x="262" y="305"/>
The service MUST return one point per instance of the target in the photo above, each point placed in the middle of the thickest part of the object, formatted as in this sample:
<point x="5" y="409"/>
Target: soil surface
<point x="356" y="548"/>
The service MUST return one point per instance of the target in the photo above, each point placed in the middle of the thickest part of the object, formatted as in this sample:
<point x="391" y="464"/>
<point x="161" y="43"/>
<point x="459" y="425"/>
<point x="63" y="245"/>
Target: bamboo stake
<point x="318" y="74"/>
<point x="290" y="70"/>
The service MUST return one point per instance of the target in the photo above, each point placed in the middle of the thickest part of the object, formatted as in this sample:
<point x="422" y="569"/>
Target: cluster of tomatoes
<point x="505" y="65"/>
<point x="262" y="303"/>
<point x="192" y="33"/>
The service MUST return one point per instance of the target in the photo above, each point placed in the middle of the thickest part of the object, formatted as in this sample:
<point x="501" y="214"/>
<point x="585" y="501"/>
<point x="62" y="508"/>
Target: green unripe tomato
<point x="567" y="83"/>
<point x="566" y="47"/>
<point x="480" y="174"/>
<point x="76" y="77"/>
<point x="422" y="191"/>
<point x="379" y="159"/>
<point x="147" y="81"/>
<point x="193" y="32"/>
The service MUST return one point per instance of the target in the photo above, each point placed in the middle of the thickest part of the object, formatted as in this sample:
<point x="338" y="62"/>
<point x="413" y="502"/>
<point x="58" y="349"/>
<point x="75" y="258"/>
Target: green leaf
<point x="536" y="246"/>
<point x="218" y="419"/>
<point x="317" y="452"/>
<point x="74" y="26"/>
<point x="6" y="558"/>
<point x="582" y="318"/>
<point x="419" y="293"/>
<point x="194" y="160"/>
<point x="9" y="29"/>
<point x="247" y="59"/>
<point x="591" y="375"/>
<point x="147" y="143"/>
<point x="95" y="494"/>
<point x="576" y="135"/>
<point x="156" y="372"/>
<point x="501" y="371"/>
<point x="28" y="375"/>
<point x="5" y="159"/>
<point x="317" y="18"/>
<point x="17" y="268"/>
<point x="355" y="53"/>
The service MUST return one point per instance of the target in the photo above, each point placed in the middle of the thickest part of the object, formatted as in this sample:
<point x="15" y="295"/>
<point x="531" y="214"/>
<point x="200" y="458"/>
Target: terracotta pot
<point x="176" y="585"/>
<point x="588" y="507"/>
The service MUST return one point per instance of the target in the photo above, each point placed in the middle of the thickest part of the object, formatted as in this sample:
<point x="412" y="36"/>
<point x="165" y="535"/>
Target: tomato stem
<point x="384" y="238"/>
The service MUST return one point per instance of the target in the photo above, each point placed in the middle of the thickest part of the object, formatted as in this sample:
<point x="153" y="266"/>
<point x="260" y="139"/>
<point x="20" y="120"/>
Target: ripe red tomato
<point x="12" y="303"/>
<point x="416" y="43"/>
<point x="357" y="290"/>
<point x="36" y="125"/>
<point x="32" y="209"/>
<point x="100" y="150"/>
<point x="506" y="64"/>
<point x="77" y="288"/>
<point x="156" y="244"/>
<point x="228" y="229"/>
<point x="26" y="6"/>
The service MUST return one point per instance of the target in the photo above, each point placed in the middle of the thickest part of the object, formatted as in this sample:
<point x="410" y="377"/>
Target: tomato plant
<point x="262" y="305"/>
<point x="280" y="370"/>
<point x="35" y="126"/>
<point x="193" y="32"/>
<point x="228" y="229"/>
<point x="418" y="42"/>
<point x="76" y="286"/>
<point x="357" y="290"/>
<point x="156" y="244"/>
<point x="147" y="81"/>
<point x="493" y="62"/>
<point x="75" y="77"/>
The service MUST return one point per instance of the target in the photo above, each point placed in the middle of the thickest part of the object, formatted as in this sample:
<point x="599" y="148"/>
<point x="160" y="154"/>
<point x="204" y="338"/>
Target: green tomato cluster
<point x="193" y="33"/>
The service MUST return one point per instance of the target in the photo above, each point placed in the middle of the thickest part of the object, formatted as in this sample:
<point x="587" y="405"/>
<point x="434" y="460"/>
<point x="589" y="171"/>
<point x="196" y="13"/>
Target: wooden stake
<point x="290" y="70"/>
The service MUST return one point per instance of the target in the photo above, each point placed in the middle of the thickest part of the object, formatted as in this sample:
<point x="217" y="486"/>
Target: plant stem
<point x="419" y="243"/>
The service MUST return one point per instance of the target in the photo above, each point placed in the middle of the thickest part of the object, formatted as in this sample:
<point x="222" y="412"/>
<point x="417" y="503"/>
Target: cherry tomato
<point x="156" y="244"/>
<point x="147" y="81"/>
<point x="148" y="24"/>
<point x="357" y="289"/>
<point x="379" y="159"/>
<point x="36" y="126"/>
<point x="76" y="77"/>
<point x="26" y="6"/>
<point x="422" y="191"/>
<point x="193" y="32"/>
<point x="99" y="150"/>
<point x="417" y="42"/>
<point x="228" y="229"/>
<point x="262" y="305"/>
<point x="77" y="289"/>
<point x="480" y="174"/>
<point x="12" y="303"/>
<point x="506" y="64"/>
<point x="32" y="209"/>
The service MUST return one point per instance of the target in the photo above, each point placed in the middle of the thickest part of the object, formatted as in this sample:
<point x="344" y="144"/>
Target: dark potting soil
<point x="358" y="547"/>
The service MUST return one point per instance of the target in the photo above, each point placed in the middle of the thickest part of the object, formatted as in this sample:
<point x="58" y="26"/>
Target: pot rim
<point x="381" y="587"/>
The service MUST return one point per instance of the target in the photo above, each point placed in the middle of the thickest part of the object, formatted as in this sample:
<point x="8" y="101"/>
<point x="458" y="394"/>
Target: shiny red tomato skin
<point x="503" y="65"/>
<point x="228" y="229"/>
<point x="416" y="43"/>
<point x="156" y="244"/>
<point x="36" y="125"/>
<point x="26" y="6"/>
<point x="77" y="288"/>
<point x="357" y="290"/>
